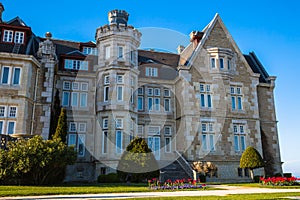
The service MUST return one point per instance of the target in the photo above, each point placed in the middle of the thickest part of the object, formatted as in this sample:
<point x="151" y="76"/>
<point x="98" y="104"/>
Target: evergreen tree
<point x="62" y="127"/>
<point x="56" y="109"/>
<point x="251" y="159"/>
<point x="137" y="162"/>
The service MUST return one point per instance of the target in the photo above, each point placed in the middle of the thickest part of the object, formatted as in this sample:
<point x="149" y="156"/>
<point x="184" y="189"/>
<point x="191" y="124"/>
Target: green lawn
<point x="231" y="197"/>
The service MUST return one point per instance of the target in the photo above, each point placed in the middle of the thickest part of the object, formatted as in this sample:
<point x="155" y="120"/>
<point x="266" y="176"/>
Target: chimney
<point x="195" y="37"/>
<point x="118" y="17"/>
<point x="180" y="49"/>
<point x="1" y="11"/>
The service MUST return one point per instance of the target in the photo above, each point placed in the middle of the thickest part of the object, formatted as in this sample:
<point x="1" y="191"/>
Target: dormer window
<point x="90" y="51"/>
<point x="76" y="64"/>
<point x="7" y="36"/>
<point x="19" y="37"/>
<point x="150" y="71"/>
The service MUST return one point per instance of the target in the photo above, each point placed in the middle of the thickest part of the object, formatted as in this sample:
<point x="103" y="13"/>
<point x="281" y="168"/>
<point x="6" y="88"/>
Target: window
<point x="84" y="86"/>
<point x="90" y="51"/>
<point x="7" y="36"/>
<point x="157" y="104"/>
<point x="119" y="123"/>
<point x="19" y="37"/>
<point x="78" y="141"/>
<point x="73" y="127"/>
<point x="106" y="93"/>
<point x="83" y="99"/>
<point x="208" y="143"/>
<point x="104" y="142"/>
<point x="236" y="98"/>
<point x="229" y="63"/>
<point x="12" y="112"/>
<point x="81" y="127"/>
<point x="156" y="92"/>
<point x="168" y="130"/>
<point x="150" y="91"/>
<point x="221" y="60"/>
<point x="140" y="129"/>
<point x="11" y="127"/>
<point x="150" y="71"/>
<point x="120" y="52"/>
<point x="213" y="63"/>
<point x="5" y="79"/>
<point x="239" y="137"/>
<point x="105" y="123"/>
<point x="119" y="141"/>
<point x="205" y="96"/>
<point x="140" y="103"/>
<point x="167" y="105"/>
<point x="1" y="127"/>
<point x="16" y="76"/>
<point x="120" y="93"/>
<point x="150" y="103"/>
<point x="167" y="93"/>
<point x="76" y="64"/>
<point x="81" y="145"/>
<point x="107" y="52"/>
<point x="75" y="86"/>
<point x="66" y="98"/>
<point x="120" y="79"/>
<point x="167" y="145"/>
<point x="66" y="85"/>
<point x="2" y="111"/>
<point x="74" y="99"/>
<point x="140" y="91"/>
<point x="106" y="80"/>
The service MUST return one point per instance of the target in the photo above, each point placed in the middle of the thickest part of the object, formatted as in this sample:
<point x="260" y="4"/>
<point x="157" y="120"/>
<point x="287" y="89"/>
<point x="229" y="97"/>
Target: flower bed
<point x="155" y="184"/>
<point x="279" y="181"/>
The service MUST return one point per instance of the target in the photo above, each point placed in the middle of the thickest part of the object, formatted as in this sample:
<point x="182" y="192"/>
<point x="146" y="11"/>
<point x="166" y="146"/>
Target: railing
<point x="186" y="166"/>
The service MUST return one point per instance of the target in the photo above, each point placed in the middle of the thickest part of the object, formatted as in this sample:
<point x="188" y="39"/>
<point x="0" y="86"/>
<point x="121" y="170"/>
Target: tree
<point x="137" y="162"/>
<point x="55" y="114"/>
<point x="251" y="159"/>
<point x="62" y="127"/>
<point x="35" y="161"/>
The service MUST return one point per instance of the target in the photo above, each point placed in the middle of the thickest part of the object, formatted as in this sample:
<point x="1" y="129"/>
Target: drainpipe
<point x="34" y="100"/>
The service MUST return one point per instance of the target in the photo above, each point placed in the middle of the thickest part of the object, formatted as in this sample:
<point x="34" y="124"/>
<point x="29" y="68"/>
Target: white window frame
<point x="168" y="130"/>
<point x="104" y="142"/>
<point x="140" y="106"/>
<point x="213" y="63"/>
<point x="14" y="76"/>
<point x="208" y="136"/>
<point x="120" y="79"/>
<point x="2" y="108"/>
<point x="120" y="93"/>
<point x="8" y="35"/>
<point x="74" y="101"/>
<point x="107" y="52"/>
<point x="73" y="136"/>
<point x="7" y="128"/>
<point x="63" y="99"/>
<point x="119" y="149"/>
<point x="82" y="127"/>
<point x="119" y="123"/>
<point x="106" y="80"/>
<point x="120" y="51"/>
<point x="167" y="108"/>
<point x="19" y="37"/>
<point x="12" y="113"/>
<point x="73" y="125"/>
<point x="156" y="91"/>
<point x="236" y="93"/>
<point x="157" y="131"/>
<point x="83" y="99"/>
<point x="75" y="86"/>
<point x="140" y="91"/>
<point x="239" y="137"/>
<point x="151" y="71"/>
<point x="105" y="123"/>
<point x="205" y="96"/>
<point x="167" y="93"/>
<point x="221" y="63"/>
<point x="81" y="137"/>
<point x="106" y="93"/>
<point x="8" y="75"/>
<point x="66" y="85"/>
<point x="168" y="146"/>
<point x="156" y="104"/>
<point x="84" y="86"/>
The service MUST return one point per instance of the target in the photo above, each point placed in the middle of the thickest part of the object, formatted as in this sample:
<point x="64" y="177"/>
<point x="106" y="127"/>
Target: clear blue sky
<point x="270" y="28"/>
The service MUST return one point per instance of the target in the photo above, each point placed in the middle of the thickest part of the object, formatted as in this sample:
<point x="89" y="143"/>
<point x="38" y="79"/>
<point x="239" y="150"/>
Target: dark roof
<point x="169" y="59"/>
<point x="257" y="67"/>
<point x="17" y="21"/>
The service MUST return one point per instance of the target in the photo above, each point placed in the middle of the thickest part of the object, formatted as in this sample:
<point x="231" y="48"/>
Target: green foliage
<point x="55" y="112"/>
<point x="109" y="178"/>
<point x="35" y="161"/>
<point x="62" y="126"/>
<point x="251" y="159"/>
<point x="137" y="162"/>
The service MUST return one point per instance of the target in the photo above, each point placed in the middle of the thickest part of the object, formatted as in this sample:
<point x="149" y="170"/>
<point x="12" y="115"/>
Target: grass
<point x="232" y="197"/>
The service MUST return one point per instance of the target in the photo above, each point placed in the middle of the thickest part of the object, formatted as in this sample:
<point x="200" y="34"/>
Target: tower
<point x="117" y="76"/>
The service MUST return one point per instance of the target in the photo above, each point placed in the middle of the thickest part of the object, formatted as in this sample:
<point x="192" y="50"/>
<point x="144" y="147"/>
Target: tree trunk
<point x="251" y="174"/>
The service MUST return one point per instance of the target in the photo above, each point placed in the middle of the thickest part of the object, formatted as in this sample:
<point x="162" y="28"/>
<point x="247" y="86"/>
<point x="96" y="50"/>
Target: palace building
<point x="207" y="103"/>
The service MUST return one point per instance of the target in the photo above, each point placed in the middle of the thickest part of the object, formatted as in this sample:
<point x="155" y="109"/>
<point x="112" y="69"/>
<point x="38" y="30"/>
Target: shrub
<point x="108" y="178"/>
<point x="137" y="163"/>
<point x="251" y="159"/>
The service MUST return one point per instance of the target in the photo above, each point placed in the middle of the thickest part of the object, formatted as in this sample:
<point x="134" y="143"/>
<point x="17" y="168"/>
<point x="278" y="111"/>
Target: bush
<point x="287" y="175"/>
<point x="108" y="178"/>
<point x="256" y="179"/>
<point x="137" y="163"/>
<point x="202" y="178"/>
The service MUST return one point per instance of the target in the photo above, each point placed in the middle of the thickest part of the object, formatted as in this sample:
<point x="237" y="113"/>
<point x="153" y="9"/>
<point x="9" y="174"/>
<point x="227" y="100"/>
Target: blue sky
<point x="270" y="28"/>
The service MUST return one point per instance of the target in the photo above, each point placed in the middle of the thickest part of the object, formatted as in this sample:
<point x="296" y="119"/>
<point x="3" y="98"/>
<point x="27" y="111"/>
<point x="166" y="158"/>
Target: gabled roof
<point x="75" y="53"/>
<point x="257" y="67"/>
<point x="17" y="21"/>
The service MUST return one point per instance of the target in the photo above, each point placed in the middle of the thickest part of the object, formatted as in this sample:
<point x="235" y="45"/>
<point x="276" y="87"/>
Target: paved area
<point x="225" y="190"/>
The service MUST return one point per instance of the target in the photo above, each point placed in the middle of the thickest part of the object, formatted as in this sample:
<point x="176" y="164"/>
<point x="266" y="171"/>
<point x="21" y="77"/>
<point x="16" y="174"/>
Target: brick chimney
<point x="118" y="17"/>
<point x="1" y="11"/>
<point x="195" y="37"/>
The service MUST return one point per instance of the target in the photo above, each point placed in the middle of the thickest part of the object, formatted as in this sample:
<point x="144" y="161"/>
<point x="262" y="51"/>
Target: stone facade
<point x="208" y="102"/>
